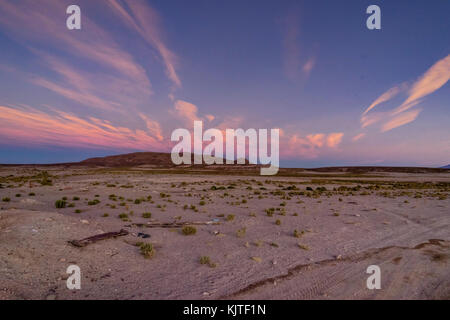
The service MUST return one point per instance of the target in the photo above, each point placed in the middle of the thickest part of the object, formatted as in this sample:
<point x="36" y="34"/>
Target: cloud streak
<point x="29" y="125"/>
<point x="293" y="65"/>
<point x="146" y="22"/>
<point x="432" y="80"/>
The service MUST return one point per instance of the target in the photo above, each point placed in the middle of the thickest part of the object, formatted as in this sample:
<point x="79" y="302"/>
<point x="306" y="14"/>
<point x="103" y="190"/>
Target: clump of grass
<point x="76" y="198"/>
<point x="147" y="249"/>
<point x="207" y="261"/>
<point x="93" y="202"/>
<point x="336" y="214"/>
<point x="278" y="222"/>
<point x="298" y="234"/>
<point x="105" y="215"/>
<point x="71" y="205"/>
<point x="230" y="217"/>
<point x="78" y="211"/>
<point x="18" y="195"/>
<point x="31" y="194"/>
<point x="202" y="203"/>
<point x="137" y="201"/>
<point x="6" y="199"/>
<point x="147" y="215"/>
<point x="59" y="204"/>
<point x="241" y="232"/>
<point x="189" y="230"/>
<point x="45" y="181"/>
<point x="270" y="212"/>
<point x="124" y="217"/>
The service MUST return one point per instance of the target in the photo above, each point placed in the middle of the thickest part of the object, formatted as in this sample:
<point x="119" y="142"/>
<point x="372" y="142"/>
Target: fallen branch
<point x="98" y="237"/>
<point x="173" y="224"/>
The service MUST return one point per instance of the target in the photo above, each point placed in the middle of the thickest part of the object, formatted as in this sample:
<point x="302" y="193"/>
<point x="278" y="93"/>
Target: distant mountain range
<point x="163" y="160"/>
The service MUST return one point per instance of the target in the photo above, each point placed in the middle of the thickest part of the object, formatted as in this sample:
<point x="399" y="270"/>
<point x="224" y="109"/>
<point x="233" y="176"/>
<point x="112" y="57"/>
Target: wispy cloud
<point x="433" y="79"/>
<point x="358" y="137"/>
<point x="388" y="95"/>
<point x="400" y="120"/>
<point x="116" y="83"/>
<point x="293" y="63"/>
<point x="32" y="126"/>
<point x="143" y="19"/>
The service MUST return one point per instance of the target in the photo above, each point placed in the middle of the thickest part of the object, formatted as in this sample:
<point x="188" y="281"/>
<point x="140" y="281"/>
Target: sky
<point x="340" y="94"/>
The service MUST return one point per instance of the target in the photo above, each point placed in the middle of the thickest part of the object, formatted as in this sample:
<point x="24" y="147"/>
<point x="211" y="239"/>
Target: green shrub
<point x="189" y="230"/>
<point x="147" y="215"/>
<point x="147" y="250"/>
<point x="59" y="204"/>
<point x="45" y="181"/>
<point x="230" y="217"/>
<point x="6" y="199"/>
<point x="93" y="202"/>
<point x="207" y="261"/>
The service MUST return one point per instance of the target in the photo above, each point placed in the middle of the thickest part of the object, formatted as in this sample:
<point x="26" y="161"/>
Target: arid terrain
<point x="199" y="234"/>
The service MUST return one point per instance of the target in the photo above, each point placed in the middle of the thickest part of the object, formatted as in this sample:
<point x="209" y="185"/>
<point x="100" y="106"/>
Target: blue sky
<point x="140" y="69"/>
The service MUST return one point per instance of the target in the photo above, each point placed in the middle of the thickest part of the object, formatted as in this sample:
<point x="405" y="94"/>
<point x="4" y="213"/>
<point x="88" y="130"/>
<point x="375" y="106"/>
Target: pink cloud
<point x="334" y="139"/>
<point x="433" y="79"/>
<point x="400" y="120"/>
<point x="31" y="126"/>
<point x="358" y="137"/>
<point x="309" y="146"/>
<point x="146" y="22"/>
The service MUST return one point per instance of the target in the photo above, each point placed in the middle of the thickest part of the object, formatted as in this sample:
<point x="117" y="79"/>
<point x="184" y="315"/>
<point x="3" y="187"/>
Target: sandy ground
<point x="405" y="230"/>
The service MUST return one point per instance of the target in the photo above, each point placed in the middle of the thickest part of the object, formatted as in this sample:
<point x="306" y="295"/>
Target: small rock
<point x="84" y="221"/>
<point x="257" y="259"/>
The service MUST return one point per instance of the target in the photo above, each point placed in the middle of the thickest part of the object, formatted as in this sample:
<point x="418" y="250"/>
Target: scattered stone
<point x="257" y="259"/>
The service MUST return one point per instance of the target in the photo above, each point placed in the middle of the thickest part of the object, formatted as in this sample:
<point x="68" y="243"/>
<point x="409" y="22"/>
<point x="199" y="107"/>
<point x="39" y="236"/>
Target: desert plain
<point x="214" y="234"/>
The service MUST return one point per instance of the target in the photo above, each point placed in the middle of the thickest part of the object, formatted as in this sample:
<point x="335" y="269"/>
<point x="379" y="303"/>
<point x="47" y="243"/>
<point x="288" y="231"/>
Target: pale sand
<point x="369" y="229"/>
